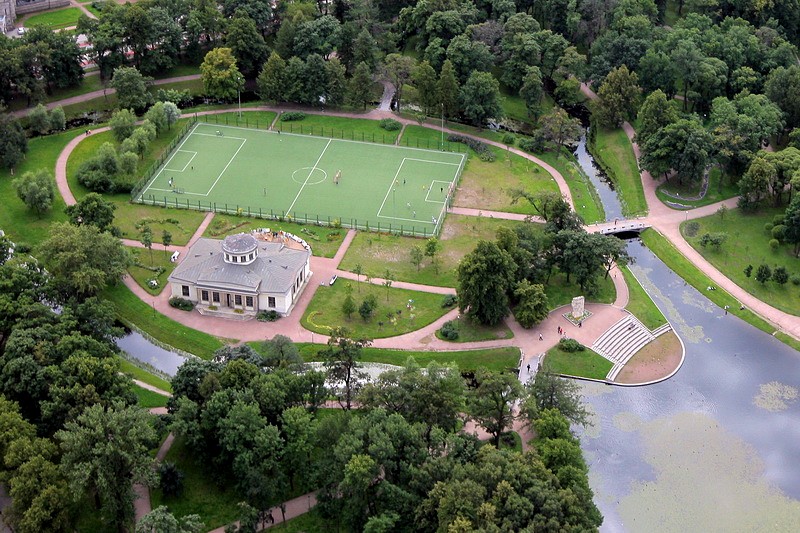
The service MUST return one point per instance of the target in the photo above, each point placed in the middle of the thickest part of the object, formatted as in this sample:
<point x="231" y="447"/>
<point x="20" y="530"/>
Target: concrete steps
<point x="623" y="340"/>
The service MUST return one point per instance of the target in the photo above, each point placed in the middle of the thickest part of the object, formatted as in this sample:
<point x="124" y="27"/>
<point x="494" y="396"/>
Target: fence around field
<point x="141" y="185"/>
<point x="304" y="218"/>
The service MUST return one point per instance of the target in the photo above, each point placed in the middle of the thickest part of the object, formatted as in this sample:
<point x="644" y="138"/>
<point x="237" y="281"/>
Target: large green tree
<point x="246" y="43"/>
<point x="398" y="70"/>
<point x="480" y="98"/>
<point x="618" y="97"/>
<point x="341" y="363"/>
<point x="559" y="128"/>
<point x="104" y="452"/>
<point x="550" y="391"/>
<point x="532" y="306"/>
<point x="491" y="403"/>
<point x="684" y="146"/>
<point x="36" y="190"/>
<point x="131" y="88"/>
<point x="13" y="143"/>
<point x="220" y="74"/>
<point x="485" y="277"/>
<point x="655" y="113"/>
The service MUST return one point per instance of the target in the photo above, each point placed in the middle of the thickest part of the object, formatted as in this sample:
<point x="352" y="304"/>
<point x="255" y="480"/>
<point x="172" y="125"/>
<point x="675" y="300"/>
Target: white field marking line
<point x="171" y="190"/>
<point x="168" y="161"/>
<point x="209" y="135"/>
<point x="430" y="188"/>
<point x="415" y="220"/>
<point x="391" y="186"/>
<point x="187" y="163"/>
<point x="303" y="186"/>
<point x="226" y="168"/>
<point x="428" y="161"/>
<point x="306" y="136"/>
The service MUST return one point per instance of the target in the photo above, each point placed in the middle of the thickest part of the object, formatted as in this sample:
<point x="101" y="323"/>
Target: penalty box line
<point x="148" y="188"/>
<point x="392" y="186"/>
<point x="187" y="163"/>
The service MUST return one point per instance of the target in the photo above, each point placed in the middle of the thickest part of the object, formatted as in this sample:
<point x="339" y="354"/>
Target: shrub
<point x="481" y="148"/>
<point x="290" y="116"/>
<point x="390" y="124"/>
<point x="795" y="279"/>
<point x="449" y="300"/>
<point x="777" y="220"/>
<point x="509" y="139"/>
<point x="181" y="303"/>
<point x="768" y="227"/>
<point x="692" y="228"/>
<point x="774" y="244"/>
<point x="714" y="239"/>
<point x="748" y="270"/>
<point x="780" y="275"/>
<point x="449" y="331"/>
<point x="778" y="232"/>
<point x="268" y="316"/>
<point x="570" y="345"/>
<point x="535" y="143"/>
<point x="170" y="479"/>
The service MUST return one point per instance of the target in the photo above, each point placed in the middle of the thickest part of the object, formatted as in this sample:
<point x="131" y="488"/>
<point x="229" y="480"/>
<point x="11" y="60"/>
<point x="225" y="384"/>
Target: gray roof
<point x="239" y="243"/>
<point x="273" y="271"/>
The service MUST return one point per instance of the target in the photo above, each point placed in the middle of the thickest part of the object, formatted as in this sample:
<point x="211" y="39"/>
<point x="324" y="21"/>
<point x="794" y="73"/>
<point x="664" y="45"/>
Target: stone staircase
<point x="623" y="340"/>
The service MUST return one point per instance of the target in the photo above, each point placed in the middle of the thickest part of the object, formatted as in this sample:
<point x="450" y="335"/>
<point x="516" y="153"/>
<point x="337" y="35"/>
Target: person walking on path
<point x="529" y="368"/>
<point x="541" y="338"/>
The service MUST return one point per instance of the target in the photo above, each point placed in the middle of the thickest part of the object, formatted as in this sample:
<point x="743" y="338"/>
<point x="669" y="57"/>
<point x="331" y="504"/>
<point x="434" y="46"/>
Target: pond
<point x="715" y="448"/>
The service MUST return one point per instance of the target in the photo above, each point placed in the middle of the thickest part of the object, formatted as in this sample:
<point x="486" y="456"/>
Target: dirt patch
<point x="656" y="360"/>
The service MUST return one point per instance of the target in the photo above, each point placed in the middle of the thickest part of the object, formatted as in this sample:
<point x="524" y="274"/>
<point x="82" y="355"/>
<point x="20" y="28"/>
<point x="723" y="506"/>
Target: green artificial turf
<point x="324" y="312"/>
<point x="640" y="303"/>
<point x="266" y="174"/>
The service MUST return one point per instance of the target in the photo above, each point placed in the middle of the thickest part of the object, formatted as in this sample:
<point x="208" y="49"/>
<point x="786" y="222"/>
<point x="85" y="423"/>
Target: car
<point x="21" y="30"/>
<point x="333" y="279"/>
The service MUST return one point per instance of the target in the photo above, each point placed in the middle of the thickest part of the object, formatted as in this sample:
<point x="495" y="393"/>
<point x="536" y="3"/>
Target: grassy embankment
<point x="613" y="152"/>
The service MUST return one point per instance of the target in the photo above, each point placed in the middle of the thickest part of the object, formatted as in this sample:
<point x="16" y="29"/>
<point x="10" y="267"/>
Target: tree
<point x="246" y="43"/>
<point x="763" y="274"/>
<point x="341" y="362"/>
<point x="432" y="249"/>
<point x="656" y="112"/>
<point x="58" y="121"/>
<point x="348" y="306"/>
<point x="160" y="520"/>
<point x="533" y="305"/>
<point x="417" y="255"/>
<point x="783" y="88"/>
<point x="92" y="210"/>
<point x="485" y="277"/>
<point x="105" y="451"/>
<point x="359" y="91"/>
<point x="491" y="403"/>
<point x="300" y="431"/>
<point x="317" y="36"/>
<point x="532" y="90"/>
<point x="122" y="123"/>
<point x="172" y="113"/>
<point x="146" y="238"/>
<point x="398" y="69"/>
<point x="684" y="146"/>
<point x="780" y="275"/>
<point x="480" y="98"/>
<point x="13" y="143"/>
<point x="365" y="49"/>
<point x="131" y="88"/>
<point x="448" y="90"/>
<point x="36" y="190"/>
<point x="335" y="91"/>
<point x="38" y="120"/>
<point x="748" y="270"/>
<point x="280" y="352"/>
<point x="220" y="75"/>
<point x="618" y="97"/>
<point x="559" y="128"/>
<point x="358" y="270"/>
<point x="166" y="240"/>
<point x="83" y="260"/>
<point x="388" y="278"/>
<point x="791" y="222"/>
<point x="425" y="82"/>
<point x="549" y="391"/>
<point x="157" y="116"/>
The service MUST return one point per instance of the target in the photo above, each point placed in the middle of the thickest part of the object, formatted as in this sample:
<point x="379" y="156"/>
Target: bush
<point x="780" y="275"/>
<point x="170" y="479"/>
<point x="534" y="144"/>
<point x="778" y="232"/>
<point x="390" y="124"/>
<point x="290" y="116"/>
<point x="795" y="279"/>
<point x="692" y="228"/>
<point x="449" y="300"/>
<point x="768" y="227"/>
<point x="449" y="331"/>
<point x="181" y="303"/>
<point x="774" y="244"/>
<point x="509" y="139"/>
<point x="570" y="345"/>
<point x="481" y="148"/>
<point x="268" y="316"/>
<point x="777" y="220"/>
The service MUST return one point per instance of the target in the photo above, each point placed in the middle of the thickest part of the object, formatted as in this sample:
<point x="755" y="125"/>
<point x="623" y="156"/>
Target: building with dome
<point x="244" y="274"/>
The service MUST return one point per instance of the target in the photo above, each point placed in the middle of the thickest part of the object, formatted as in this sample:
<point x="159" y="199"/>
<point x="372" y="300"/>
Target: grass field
<point x="148" y="399"/>
<point x="136" y="372"/>
<point x="559" y="292"/>
<point x="640" y="303"/>
<point x="377" y="252"/>
<point x="354" y="129"/>
<point x="719" y="188"/>
<point x="586" y="364"/>
<point x="262" y="173"/>
<point x="54" y="20"/>
<point x="494" y="359"/>
<point x="145" y="260"/>
<point x="585" y="197"/>
<point x="470" y="331"/>
<point x="748" y="244"/>
<point x="613" y="152"/>
<point x="324" y="312"/>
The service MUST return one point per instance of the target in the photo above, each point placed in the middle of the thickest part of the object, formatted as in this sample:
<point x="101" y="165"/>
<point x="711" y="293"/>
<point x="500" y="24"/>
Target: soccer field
<point x="271" y="174"/>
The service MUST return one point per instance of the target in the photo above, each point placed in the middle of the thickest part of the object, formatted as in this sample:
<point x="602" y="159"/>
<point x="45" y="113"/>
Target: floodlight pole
<point x="239" y="92"/>
<point x="442" y="126"/>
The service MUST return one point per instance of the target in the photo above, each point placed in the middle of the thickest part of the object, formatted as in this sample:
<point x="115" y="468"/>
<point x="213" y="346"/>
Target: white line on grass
<point x="170" y="159"/>
<point x="226" y="167"/>
<point x="428" y="161"/>
<point x="391" y="186"/>
<point x="173" y="190"/>
<point x="303" y="186"/>
<point x="187" y="163"/>
<point x="209" y="135"/>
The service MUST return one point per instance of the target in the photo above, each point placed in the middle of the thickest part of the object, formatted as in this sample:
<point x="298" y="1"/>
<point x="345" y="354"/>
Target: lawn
<point x="135" y="372"/>
<point x="324" y="312"/>
<point x="21" y="224"/>
<point x="719" y="188"/>
<point x="132" y="310"/>
<point x="678" y="263"/>
<point x="311" y="522"/>
<point x="748" y="244"/>
<point x="559" y="292"/>
<point x="89" y="84"/>
<point x="54" y="20"/>
<point x="613" y="152"/>
<point x="205" y="491"/>
<point x="471" y="331"/>
<point x="292" y="176"/>
<point x="640" y="303"/>
<point x="494" y="359"/>
<point x="147" y="398"/>
<point x="584" y="195"/>
<point x="324" y="241"/>
<point x="376" y="252"/>
<point x="354" y="129"/>
<point x="144" y="261"/>
<point x="585" y="364"/>
<point x="249" y="119"/>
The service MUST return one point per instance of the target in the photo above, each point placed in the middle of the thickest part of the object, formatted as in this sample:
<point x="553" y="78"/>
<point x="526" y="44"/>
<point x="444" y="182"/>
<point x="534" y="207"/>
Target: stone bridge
<point x="619" y="226"/>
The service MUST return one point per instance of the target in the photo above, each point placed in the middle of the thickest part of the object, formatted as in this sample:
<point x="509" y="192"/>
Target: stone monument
<point x="578" y="307"/>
